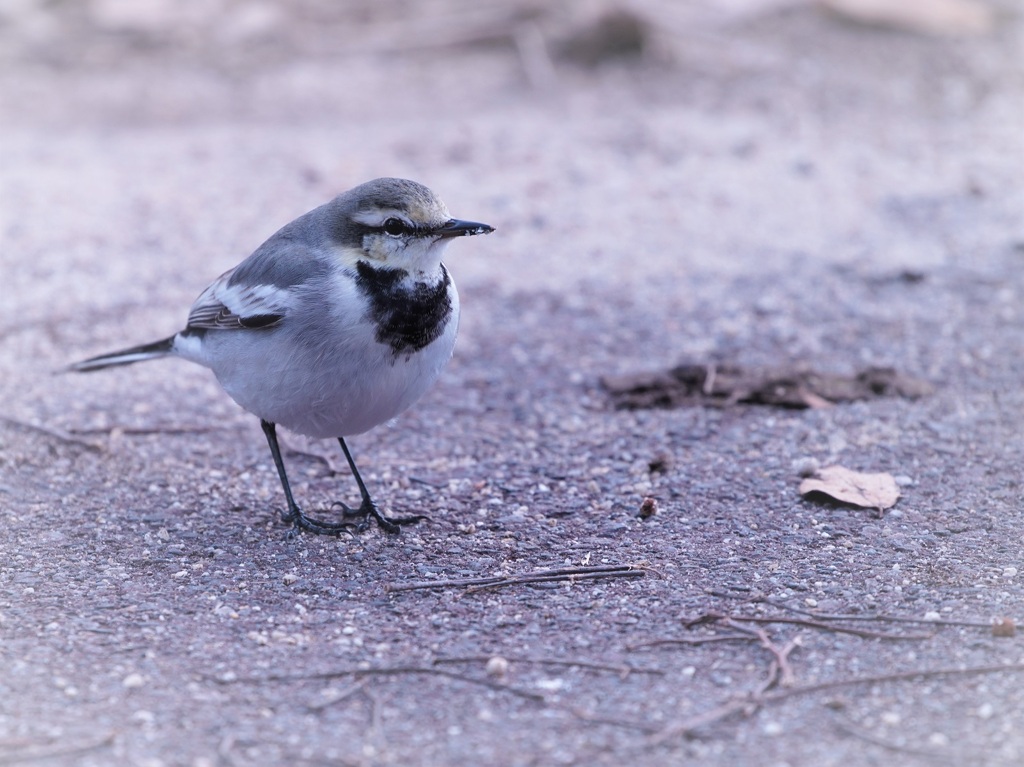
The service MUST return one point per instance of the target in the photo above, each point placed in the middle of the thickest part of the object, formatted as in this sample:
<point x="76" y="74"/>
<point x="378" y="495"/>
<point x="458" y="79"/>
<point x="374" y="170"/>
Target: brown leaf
<point x="648" y="508"/>
<point x="1004" y="627"/>
<point x="870" y="491"/>
<point x="725" y="384"/>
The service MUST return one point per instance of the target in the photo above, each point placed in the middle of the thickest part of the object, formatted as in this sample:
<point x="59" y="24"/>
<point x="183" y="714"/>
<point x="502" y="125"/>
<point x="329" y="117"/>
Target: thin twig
<point x="627" y="572"/>
<point x="624" y="670"/>
<point x="898" y="676"/>
<point x="781" y="673"/>
<point x="864" y="633"/>
<point x="348" y="692"/>
<point x="583" y="716"/>
<point x="753" y="702"/>
<point x="429" y="483"/>
<point x="848" y="728"/>
<point x="882" y="618"/>
<point x="323" y="460"/>
<point x="56" y="434"/>
<point x="143" y="431"/>
<point x="540" y="576"/>
<point x="56" y="751"/>
<point x="787" y="678"/>
<point x="442" y="584"/>
<point x="691" y="641"/>
<point x="387" y="671"/>
<point x="693" y="723"/>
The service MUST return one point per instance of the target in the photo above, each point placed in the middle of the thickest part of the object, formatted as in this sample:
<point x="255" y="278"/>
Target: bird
<point x="336" y="324"/>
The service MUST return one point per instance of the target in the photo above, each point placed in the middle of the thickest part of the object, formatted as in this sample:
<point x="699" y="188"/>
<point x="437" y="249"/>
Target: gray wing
<point x="261" y="291"/>
<point x="226" y="306"/>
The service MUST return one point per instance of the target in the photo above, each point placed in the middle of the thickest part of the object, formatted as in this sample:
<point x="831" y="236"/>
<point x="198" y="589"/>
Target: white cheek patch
<point x="382" y="247"/>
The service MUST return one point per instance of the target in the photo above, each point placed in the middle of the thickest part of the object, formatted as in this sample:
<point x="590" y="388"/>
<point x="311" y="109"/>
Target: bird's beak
<point x="456" y="228"/>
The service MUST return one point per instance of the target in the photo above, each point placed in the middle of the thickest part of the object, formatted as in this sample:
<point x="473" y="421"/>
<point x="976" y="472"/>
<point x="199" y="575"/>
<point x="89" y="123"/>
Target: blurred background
<point x="637" y="142"/>
<point x="712" y="115"/>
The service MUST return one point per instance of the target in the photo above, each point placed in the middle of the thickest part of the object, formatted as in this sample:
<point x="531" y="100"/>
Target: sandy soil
<point x="763" y="183"/>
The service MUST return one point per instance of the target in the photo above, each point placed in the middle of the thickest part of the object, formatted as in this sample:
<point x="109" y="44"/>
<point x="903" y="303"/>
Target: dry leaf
<point x="870" y="491"/>
<point x="1004" y="627"/>
<point x="648" y="508"/>
<point x="726" y="384"/>
<point x="944" y="18"/>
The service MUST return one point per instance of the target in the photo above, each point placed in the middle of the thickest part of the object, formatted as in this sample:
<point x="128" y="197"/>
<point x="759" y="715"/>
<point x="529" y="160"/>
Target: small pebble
<point x="143" y="717"/>
<point x="551" y="685"/>
<point x="891" y="718"/>
<point x="133" y="681"/>
<point x="497" y="666"/>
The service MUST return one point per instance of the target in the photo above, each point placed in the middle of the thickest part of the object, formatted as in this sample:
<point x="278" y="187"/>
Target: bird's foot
<point x="300" y="521"/>
<point x="368" y="509"/>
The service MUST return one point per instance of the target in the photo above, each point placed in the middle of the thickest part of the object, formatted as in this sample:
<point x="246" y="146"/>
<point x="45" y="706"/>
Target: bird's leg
<point x="294" y="514"/>
<point x="368" y="508"/>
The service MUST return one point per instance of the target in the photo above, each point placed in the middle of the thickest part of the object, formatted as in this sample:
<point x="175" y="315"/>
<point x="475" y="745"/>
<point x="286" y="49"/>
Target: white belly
<point x="321" y="389"/>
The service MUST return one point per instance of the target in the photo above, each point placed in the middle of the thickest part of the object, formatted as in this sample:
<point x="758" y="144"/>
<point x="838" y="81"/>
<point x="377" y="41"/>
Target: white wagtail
<point x="337" y="323"/>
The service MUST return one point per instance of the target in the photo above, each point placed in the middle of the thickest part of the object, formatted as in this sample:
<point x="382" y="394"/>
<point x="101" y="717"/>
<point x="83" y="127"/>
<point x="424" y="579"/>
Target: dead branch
<point x="806" y="622"/>
<point x="143" y="431"/>
<point x="56" y="752"/>
<point x="345" y="694"/>
<point x="849" y="728"/>
<point x="898" y="676"/>
<point x="688" y="726"/>
<point x="882" y="618"/>
<point x="749" y="704"/>
<point x="385" y="671"/>
<point x="690" y="641"/>
<point x="58" y="435"/>
<point x="623" y="670"/>
<point x="780" y="673"/>
<point x="583" y="716"/>
<point x="570" y="574"/>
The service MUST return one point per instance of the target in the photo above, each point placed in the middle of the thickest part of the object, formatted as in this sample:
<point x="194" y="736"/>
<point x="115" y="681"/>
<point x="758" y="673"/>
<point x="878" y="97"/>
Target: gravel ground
<point x="764" y="184"/>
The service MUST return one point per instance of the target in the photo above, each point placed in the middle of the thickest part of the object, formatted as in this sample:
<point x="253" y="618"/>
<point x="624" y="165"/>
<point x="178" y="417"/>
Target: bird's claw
<point x="300" y="521"/>
<point x="368" y="510"/>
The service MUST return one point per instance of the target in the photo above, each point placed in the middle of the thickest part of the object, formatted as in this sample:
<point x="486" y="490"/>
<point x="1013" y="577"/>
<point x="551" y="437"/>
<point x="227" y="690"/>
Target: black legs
<point x="294" y="514"/>
<point x="366" y="510"/>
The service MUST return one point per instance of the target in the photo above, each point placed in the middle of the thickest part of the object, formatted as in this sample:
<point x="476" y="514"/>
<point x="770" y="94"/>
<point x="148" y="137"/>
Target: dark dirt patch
<point x="725" y="385"/>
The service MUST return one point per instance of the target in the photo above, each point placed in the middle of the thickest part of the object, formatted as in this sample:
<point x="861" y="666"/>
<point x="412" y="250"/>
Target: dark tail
<point x="125" y="356"/>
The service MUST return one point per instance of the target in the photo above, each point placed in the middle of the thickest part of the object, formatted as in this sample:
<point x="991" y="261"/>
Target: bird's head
<point x="396" y="224"/>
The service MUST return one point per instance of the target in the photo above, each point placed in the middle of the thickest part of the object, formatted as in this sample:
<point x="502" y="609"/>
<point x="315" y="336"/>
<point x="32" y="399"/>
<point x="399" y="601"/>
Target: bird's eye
<point x="394" y="227"/>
